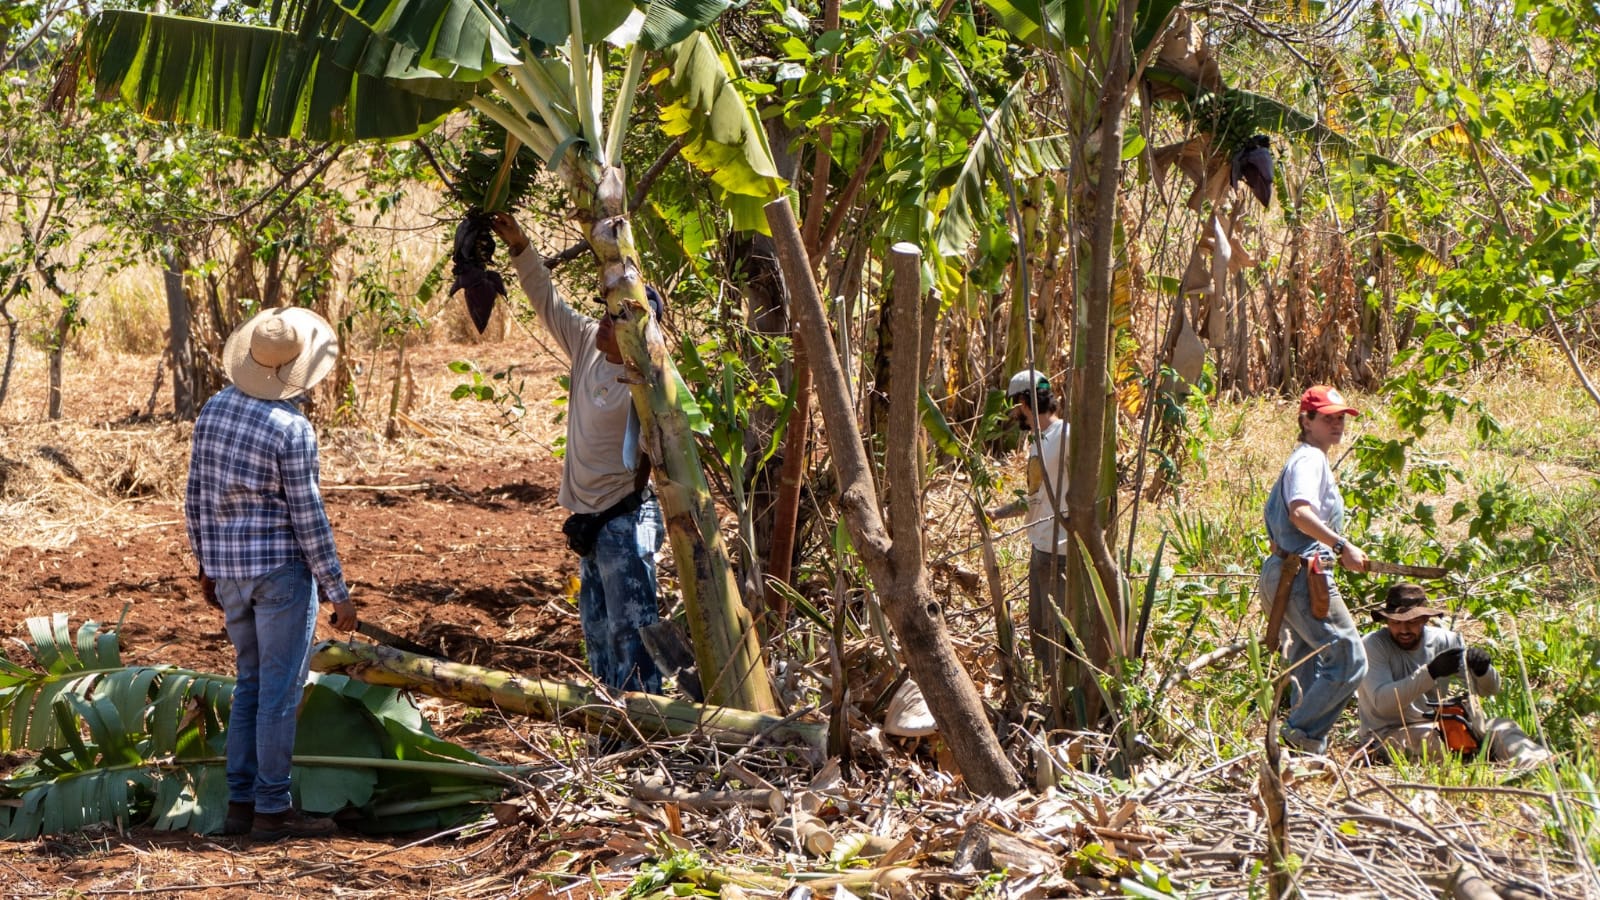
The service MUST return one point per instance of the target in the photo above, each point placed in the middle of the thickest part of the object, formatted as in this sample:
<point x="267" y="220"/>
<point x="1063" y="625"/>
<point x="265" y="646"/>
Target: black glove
<point x="1447" y="662"/>
<point x="1478" y="661"/>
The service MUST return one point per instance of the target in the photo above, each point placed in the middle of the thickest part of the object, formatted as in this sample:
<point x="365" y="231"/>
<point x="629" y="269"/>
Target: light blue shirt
<point x="1306" y="476"/>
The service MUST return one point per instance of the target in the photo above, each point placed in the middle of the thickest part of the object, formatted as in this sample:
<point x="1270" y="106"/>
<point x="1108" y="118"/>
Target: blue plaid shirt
<point x="252" y="502"/>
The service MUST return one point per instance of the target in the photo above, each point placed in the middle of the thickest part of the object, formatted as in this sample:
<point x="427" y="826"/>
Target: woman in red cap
<point x="1305" y="519"/>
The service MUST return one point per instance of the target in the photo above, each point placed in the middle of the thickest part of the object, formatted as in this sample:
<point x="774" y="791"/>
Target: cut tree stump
<point x="622" y="714"/>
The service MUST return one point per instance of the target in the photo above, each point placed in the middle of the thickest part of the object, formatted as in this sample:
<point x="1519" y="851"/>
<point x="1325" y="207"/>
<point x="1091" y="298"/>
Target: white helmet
<point x="1027" y="382"/>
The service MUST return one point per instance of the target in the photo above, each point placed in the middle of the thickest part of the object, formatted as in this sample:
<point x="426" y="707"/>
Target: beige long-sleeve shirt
<point x="594" y="474"/>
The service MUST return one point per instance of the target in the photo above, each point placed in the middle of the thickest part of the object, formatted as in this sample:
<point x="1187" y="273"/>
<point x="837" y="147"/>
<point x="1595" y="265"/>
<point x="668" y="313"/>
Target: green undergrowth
<point x="1514" y="514"/>
<point x="94" y="741"/>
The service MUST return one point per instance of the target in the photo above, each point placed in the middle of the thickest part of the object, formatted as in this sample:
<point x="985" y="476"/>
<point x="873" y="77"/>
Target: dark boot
<point x="269" y="827"/>
<point x="240" y="817"/>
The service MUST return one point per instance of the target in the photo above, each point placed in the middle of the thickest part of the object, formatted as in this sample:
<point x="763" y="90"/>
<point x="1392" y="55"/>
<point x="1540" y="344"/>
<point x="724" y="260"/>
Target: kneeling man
<point x="1408" y="662"/>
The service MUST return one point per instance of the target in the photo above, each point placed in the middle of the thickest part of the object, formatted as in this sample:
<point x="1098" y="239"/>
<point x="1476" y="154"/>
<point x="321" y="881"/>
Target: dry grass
<point x="95" y="472"/>
<point x="63" y="481"/>
<point x="1550" y="444"/>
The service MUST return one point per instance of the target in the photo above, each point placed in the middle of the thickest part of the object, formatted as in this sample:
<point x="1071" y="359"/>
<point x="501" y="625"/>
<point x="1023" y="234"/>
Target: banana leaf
<point x="143" y="745"/>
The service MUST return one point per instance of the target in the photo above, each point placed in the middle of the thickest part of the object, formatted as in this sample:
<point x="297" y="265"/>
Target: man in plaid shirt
<point x="256" y="524"/>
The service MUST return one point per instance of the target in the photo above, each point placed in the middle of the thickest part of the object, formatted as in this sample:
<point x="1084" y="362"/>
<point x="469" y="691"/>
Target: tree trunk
<point x="58" y="351"/>
<point x="766" y="314"/>
<point x="727" y="648"/>
<point x="1093" y="443"/>
<point x="896" y="567"/>
<point x="11" y="339"/>
<point x="179" y="346"/>
<point x="557" y="701"/>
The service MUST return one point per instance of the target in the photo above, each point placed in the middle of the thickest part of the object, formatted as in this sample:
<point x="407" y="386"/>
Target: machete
<point x="389" y="638"/>
<point x="1377" y="567"/>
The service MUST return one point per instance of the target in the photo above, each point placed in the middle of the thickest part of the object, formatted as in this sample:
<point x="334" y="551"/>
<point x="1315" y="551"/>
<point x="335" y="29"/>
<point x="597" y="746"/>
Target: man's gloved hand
<point x="1447" y="662"/>
<point x="1478" y="661"/>
<point x="208" y="590"/>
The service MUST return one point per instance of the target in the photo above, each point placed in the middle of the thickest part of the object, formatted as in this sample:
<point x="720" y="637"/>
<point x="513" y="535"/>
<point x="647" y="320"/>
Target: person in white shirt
<point x="616" y="527"/>
<point x="1034" y="408"/>
<point x="1304" y="517"/>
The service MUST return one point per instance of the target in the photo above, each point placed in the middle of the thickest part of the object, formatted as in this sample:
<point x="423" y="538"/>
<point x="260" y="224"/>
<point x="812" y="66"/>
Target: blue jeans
<point x="270" y="620"/>
<point x="1324" y="685"/>
<point x="617" y="596"/>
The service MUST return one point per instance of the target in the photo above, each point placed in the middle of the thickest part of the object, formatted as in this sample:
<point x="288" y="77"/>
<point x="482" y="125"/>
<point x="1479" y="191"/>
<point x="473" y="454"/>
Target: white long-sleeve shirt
<point x="594" y="474"/>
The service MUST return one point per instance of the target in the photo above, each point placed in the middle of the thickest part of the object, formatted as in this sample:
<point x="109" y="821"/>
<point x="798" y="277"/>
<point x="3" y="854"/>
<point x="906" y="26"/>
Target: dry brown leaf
<point x="1188" y="353"/>
<point x="1197" y="275"/>
<point x="908" y="714"/>
<point x="1123" y="815"/>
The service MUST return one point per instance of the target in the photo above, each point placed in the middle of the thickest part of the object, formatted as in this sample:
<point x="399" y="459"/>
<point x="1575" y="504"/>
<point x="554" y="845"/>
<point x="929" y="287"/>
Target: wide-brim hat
<point x="1405" y="611"/>
<point x="280" y="353"/>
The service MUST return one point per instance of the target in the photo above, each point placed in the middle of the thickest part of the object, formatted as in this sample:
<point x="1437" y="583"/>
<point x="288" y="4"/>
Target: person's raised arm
<point x="564" y="323"/>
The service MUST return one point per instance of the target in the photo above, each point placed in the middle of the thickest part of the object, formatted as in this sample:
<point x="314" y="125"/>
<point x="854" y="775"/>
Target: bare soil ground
<point x="450" y="536"/>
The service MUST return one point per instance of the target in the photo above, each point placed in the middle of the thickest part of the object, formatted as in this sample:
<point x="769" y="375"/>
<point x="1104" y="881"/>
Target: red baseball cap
<point x="1325" y="400"/>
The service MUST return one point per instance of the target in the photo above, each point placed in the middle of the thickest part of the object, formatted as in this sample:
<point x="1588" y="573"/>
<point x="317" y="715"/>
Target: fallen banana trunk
<point x="653" y="716"/>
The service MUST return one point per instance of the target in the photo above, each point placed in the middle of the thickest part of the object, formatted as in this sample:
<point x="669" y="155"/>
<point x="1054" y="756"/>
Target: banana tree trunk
<point x="727" y="647"/>
<point x="650" y="715"/>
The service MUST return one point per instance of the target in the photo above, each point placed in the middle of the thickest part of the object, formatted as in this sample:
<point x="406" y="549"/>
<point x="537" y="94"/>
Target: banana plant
<point x="131" y="745"/>
<point x="384" y="70"/>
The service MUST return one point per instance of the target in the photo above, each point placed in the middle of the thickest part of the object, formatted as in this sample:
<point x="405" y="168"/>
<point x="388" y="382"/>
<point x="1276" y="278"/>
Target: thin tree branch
<point x="648" y="179"/>
<point x="847" y="197"/>
<point x="287" y="177"/>
<point x="427" y="153"/>
<point x="1572" y="357"/>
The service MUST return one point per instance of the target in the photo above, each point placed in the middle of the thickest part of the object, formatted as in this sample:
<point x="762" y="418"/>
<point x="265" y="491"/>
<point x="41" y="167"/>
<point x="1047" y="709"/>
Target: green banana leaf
<point x="722" y="135"/>
<point x="155" y="739"/>
<point x="996" y="151"/>
<point x="255" y="81"/>
<point x="1058" y="24"/>
<point x="347" y="71"/>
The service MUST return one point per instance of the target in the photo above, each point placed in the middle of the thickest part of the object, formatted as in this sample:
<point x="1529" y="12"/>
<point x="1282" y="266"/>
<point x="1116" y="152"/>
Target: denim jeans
<point x="1323" y="686"/>
<point x="270" y="621"/>
<point x="617" y="596"/>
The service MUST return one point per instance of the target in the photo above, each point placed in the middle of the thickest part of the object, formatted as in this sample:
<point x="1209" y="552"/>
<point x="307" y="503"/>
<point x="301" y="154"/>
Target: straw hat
<point x="280" y="353"/>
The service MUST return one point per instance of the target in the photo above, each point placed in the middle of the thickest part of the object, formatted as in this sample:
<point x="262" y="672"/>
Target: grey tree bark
<point x="179" y="321"/>
<point x="895" y="565"/>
